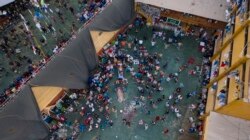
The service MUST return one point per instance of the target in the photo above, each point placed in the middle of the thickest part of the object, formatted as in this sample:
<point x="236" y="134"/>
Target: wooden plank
<point x="237" y="108"/>
<point x="46" y="95"/>
<point x="100" y="39"/>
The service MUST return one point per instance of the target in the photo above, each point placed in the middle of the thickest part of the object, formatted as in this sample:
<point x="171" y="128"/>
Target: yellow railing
<point x="233" y="67"/>
<point x="236" y="33"/>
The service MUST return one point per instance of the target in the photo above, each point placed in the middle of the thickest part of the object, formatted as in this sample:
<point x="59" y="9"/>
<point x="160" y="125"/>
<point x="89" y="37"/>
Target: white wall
<point x="4" y="2"/>
<point x="205" y="8"/>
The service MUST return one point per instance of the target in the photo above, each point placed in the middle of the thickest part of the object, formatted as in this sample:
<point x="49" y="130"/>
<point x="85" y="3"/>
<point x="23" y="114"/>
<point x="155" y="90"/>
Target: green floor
<point x="136" y="132"/>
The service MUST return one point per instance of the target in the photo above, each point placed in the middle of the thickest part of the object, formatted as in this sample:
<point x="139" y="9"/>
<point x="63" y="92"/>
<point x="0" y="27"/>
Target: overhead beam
<point x="237" y="108"/>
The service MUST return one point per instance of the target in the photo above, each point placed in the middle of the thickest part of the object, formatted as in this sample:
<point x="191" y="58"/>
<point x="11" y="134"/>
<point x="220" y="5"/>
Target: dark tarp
<point x="70" y="69"/>
<point x="21" y="119"/>
<point x="118" y="14"/>
<point x="62" y="72"/>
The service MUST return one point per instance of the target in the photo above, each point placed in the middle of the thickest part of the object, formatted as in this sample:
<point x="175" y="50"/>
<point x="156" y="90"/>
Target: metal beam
<point x="236" y="33"/>
<point x="240" y="61"/>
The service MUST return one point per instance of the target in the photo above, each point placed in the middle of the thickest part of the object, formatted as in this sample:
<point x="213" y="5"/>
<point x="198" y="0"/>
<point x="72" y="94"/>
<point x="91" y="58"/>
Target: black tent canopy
<point x="115" y="16"/>
<point x="70" y="68"/>
<point x="21" y="118"/>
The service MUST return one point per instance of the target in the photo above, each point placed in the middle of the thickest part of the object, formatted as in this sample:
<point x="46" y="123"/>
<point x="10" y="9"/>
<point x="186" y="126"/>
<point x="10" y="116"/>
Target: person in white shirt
<point x="153" y="43"/>
<point x="38" y="25"/>
<point x="140" y="42"/>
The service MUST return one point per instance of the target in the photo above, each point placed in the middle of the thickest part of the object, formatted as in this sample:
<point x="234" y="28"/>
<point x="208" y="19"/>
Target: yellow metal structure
<point x="237" y="108"/>
<point x="46" y="95"/>
<point x="222" y="83"/>
<point x="100" y="39"/>
<point x="236" y="33"/>
<point x="234" y="90"/>
<point x="239" y="62"/>
<point x="238" y="89"/>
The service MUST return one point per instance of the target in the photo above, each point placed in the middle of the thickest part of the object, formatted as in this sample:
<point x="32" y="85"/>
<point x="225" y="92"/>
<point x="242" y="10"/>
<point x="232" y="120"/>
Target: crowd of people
<point x="94" y="105"/>
<point x="94" y="112"/>
<point x="32" y="36"/>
